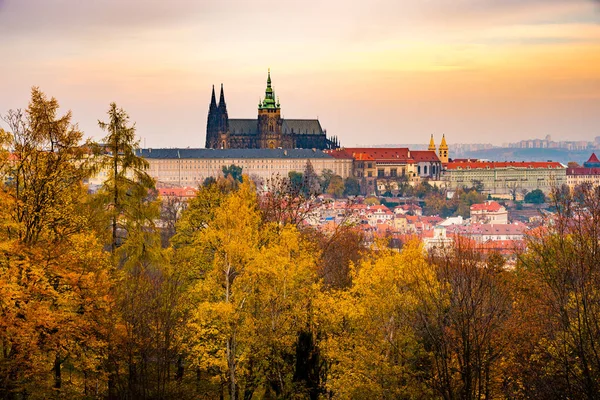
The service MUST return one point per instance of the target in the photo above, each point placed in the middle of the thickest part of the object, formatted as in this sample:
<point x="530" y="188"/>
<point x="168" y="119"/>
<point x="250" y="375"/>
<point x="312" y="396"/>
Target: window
<point x="370" y="174"/>
<point x="380" y="173"/>
<point x="393" y="172"/>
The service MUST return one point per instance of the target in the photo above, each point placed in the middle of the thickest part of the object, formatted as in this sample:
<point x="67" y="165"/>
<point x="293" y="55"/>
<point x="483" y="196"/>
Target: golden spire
<point x="431" y="144"/>
<point x="443" y="145"/>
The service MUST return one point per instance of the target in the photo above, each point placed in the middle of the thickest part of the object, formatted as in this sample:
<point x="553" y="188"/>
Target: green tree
<point x="234" y="171"/>
<point x="127" y="183"/>
<point x="536" y="196"/>
<point x="296" y="179"/>
<point x="351" y="186"/>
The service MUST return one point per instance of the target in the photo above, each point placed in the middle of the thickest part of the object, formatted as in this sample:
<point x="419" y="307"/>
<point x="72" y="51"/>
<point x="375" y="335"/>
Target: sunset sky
<point x="373" y="72"/>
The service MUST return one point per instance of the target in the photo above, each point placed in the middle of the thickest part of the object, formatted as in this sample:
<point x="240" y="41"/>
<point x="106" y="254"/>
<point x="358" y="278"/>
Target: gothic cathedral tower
<point x="269" y="121"/>
<point x="217" y="126"/>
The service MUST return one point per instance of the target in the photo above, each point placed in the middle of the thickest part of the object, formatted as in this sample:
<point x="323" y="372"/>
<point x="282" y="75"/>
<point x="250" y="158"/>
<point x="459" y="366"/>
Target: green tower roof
<point x="269" y="100"/>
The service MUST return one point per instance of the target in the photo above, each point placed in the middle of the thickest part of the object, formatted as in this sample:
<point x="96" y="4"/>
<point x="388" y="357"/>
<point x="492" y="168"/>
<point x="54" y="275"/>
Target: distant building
<point x="504" y="177"/>
<point x="190" y="167"/>
<point x="268" y="131"/>
<point x="489" y="212"/>
<point x="589" y="173"/>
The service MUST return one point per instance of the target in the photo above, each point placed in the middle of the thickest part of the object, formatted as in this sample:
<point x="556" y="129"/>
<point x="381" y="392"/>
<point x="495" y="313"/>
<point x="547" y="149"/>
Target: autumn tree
<point x="562" y="269"/>
<point x="462" y="315"/>
<point x="335" y="186"/>
<point x="371" y="344"/>
<point x="54" y="279"/>
<point x="252" y="296"/>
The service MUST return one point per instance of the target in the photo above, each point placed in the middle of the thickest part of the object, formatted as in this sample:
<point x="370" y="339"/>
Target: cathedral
<point x="268" y="131"/>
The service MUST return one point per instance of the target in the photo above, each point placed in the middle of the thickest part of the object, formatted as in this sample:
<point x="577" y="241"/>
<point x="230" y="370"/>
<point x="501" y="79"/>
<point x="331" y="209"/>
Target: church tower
<point x="270" y="122"/>
<point x="212" y="125"/>
<point x="223" y="122"/>
<point x="431" y="144"/>
<point x="443" y="151"/>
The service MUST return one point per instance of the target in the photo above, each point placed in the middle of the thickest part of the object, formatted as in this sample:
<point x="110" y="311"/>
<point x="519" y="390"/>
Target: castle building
<point x="190" y="167"/>
<point x="268" y="131"/>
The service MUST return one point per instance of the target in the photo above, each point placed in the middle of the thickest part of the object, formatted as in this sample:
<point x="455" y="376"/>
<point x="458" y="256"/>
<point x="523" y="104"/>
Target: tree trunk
<point x="57" y="373"/>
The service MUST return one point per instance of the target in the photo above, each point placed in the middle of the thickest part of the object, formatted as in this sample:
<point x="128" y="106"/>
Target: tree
<point x="54" y="281"/>
<point x="234" y="171"/>
<point x="209" y="181"/>
<point x="513" y="190"/>
<point x="256" y="286"/>
<point x="296" y="180"/>
<point x="462" y="315"/>
<point x="536" y="196"/>
<point x="127" y="183"/>
<point x="351" y="186"/>
<point x="336" y="186"/>
<point x="312" y="184"/>
<point x="370" y="343"/>
<point x="326" y="176"/>
<point x="371" y="201"/>
<point x="561" y="266"/>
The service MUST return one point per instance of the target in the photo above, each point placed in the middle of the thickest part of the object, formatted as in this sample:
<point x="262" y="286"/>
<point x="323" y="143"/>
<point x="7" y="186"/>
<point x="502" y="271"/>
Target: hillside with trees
<point x="242" y="300"/>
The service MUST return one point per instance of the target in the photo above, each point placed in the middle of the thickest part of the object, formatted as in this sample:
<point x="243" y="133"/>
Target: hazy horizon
<point x="478" y="71"/>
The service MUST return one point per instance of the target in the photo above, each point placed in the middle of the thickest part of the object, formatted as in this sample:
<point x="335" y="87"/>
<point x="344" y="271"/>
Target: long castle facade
<point x="268" y="131"/>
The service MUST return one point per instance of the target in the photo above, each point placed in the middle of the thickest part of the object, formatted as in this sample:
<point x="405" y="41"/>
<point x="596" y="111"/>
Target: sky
<point x="373" y="72"/>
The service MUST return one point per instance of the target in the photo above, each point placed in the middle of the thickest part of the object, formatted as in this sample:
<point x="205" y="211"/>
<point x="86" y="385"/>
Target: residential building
<point x="489" y="212"/>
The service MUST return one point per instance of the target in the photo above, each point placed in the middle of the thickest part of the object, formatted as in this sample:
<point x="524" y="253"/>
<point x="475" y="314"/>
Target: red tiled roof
<point x="593" y="159"/>
<point x="490" y="206"/>
<point x="505" y="164"/>
<point x="424" y="156"/>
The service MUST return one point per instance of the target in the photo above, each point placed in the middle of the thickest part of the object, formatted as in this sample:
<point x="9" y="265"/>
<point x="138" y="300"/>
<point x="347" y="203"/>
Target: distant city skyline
<point x="375" y="72"/>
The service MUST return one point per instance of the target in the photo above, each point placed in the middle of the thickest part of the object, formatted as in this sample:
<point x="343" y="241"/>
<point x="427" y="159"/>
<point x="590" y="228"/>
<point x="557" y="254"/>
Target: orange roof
<point x="490" y="206"/>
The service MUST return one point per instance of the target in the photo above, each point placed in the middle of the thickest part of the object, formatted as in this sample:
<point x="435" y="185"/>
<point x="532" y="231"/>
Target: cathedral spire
<point x="443" y="145"/>
<point x="221" y="98"/>
<point x="213" y="100"/>
<point x="431" y="144"/>
<point x="269" y="101"/>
